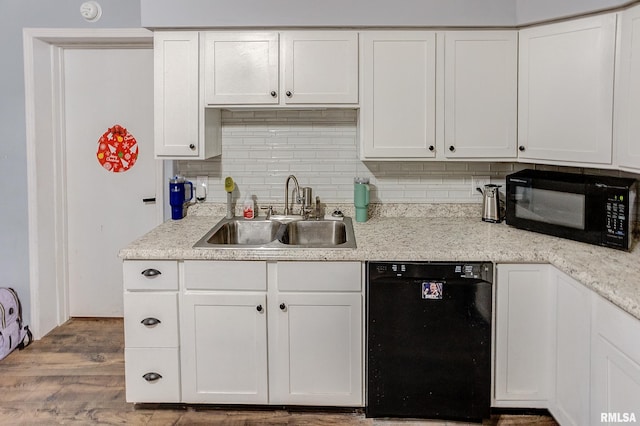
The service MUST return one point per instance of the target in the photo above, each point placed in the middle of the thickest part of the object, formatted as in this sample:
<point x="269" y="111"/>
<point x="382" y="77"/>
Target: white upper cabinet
<point x="270" y="68"/>
<point x="565" y="102"/>
<point x="445" y="95"/>
<point x="176" y="93"/>
<point x="627" y="108"/>
<point x="240" y="68"/>
<point x="320" y="67"/>
<point x="182" y="128"/>
<point x="398" y="96"/>
<point x="480" y="94"/>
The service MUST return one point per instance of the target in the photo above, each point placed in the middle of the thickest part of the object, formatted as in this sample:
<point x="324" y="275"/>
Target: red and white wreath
<point x="117" y="149"/>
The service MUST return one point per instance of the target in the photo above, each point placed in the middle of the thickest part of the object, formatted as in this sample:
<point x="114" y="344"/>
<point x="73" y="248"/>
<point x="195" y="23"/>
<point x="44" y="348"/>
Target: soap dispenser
<point x="248" y="208"/>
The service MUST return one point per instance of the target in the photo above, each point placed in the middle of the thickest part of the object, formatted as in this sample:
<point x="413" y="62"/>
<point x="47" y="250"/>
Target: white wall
<point x="14" y="16"/>
<point x="343" y="13"/>
<point x="362" y="13"/>
<point x="542" y="10"/>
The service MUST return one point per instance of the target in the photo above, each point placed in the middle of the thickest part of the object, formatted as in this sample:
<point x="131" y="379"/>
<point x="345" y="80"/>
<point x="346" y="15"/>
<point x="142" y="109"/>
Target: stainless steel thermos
<point x="491" y="204"/>
<point x="177" y="196"/>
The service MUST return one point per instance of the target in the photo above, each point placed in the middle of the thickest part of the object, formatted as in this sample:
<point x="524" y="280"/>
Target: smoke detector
<point x="90" y="11"/>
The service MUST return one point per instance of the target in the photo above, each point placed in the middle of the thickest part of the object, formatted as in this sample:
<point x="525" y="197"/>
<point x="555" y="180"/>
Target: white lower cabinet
<point x="151" y="331"/>
<point x="317" y="353"/>
<point x="299" y="343"/>
<point x="224" y="348"/>
<point x="570" y="405"/>
<point x="316" y="337"/>
<point x="615" y="365"/>
<point x="563" y="347"/>
<point x="523" y="349"/>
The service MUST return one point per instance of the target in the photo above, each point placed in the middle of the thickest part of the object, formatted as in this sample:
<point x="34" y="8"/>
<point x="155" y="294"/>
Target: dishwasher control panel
<point x="435" y="270"/>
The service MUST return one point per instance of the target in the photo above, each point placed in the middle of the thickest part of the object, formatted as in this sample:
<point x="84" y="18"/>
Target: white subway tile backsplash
<point x="261" y="148"/>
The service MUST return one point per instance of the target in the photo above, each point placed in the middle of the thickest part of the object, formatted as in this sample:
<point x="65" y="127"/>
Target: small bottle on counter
<point x="248" y="208"/>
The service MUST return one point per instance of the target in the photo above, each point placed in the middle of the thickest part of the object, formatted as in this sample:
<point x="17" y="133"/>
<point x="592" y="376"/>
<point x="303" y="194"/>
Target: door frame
<point x="46" y="168"/>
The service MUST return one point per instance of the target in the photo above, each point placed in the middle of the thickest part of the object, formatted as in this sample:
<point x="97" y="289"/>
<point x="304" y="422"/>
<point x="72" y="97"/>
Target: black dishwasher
<point x="429" y="340"/>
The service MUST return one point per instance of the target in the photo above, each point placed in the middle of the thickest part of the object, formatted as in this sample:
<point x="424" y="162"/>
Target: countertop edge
<point x="597" y="268"/>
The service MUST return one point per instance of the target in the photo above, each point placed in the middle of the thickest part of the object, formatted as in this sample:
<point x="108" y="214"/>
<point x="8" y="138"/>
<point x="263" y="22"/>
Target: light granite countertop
<point x="613" y="274"/>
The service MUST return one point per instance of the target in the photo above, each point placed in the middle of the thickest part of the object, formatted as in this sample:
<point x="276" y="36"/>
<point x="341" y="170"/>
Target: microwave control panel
<point x="616" y="217"/>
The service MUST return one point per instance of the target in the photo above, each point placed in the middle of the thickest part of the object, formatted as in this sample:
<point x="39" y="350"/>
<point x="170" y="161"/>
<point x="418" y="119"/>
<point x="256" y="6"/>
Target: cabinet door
<point x="615" y="365"/>
<point x="627" y="109"/>
<point x="523" y="346"/>
<point x="565" y="101"/>
<point x="480" y="94"/>
<point x="240" y="68"/>
<point x="176" y="91"/>
<point x="320" y="67"/>
<point x="398" y="99"/>
<point x="224" y="348"/>
<point x="317" y="352"/>
<point x="573" y="346"/>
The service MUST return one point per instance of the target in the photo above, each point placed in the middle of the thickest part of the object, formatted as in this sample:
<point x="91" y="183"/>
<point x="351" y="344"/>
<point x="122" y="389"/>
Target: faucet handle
<point x="270" y="210"/>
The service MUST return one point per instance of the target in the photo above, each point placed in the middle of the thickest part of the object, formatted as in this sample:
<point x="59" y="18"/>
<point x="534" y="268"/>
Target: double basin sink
<point x="279" y="232"/>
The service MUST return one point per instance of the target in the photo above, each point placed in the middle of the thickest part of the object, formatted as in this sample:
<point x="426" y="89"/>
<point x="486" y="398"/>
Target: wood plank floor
<point x="75" y="376"/>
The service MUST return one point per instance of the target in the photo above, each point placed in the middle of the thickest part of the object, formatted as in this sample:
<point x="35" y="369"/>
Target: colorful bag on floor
<point x="12" y="333"/>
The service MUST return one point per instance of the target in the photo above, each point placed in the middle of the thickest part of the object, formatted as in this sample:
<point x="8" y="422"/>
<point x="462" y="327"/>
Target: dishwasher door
<point x="428" y="343"/>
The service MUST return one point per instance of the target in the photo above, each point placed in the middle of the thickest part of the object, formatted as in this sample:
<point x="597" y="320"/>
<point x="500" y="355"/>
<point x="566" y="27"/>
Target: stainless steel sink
<point x="316" y="233"/>
<point x="242" y="232"/>
<point x="290" y="232"/>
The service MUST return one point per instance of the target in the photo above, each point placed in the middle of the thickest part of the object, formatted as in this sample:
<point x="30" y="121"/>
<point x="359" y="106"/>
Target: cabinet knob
<point x="274" y="94"/>
<point x="150" y="273"/>
<point x="289" y="94"/>
<point x="259" y="308"/>
<point x="452" y="148"/>
<point x="521" y="148"/>
<point x="192" y="147"/>
<point x="152" y="377"/>
<point x="432" y="148"/>
<point x="283" y="306"/>
<point x="150" y="322"/>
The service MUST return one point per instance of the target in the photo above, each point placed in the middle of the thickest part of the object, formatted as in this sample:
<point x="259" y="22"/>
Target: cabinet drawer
<point x="225" y="275"/>
<point x="140" y="362"/>
<point x="150" y="274"/>
<point x="319" y="276"/>
<point x="151" y="320"/>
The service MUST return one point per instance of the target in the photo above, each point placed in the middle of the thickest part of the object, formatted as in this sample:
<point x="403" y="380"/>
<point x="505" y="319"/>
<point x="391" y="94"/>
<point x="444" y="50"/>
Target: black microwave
<point x="589" y="208"/>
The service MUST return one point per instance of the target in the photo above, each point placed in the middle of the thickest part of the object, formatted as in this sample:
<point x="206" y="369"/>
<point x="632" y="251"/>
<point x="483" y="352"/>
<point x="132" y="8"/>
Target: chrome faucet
<point x="286" y="193"/>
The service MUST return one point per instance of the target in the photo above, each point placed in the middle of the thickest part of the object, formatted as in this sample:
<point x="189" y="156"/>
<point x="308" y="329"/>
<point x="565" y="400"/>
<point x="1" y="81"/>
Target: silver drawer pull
<point x="150" y="273"/>
<point x="152" y="377"/>
<point x="150" y="322"/>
